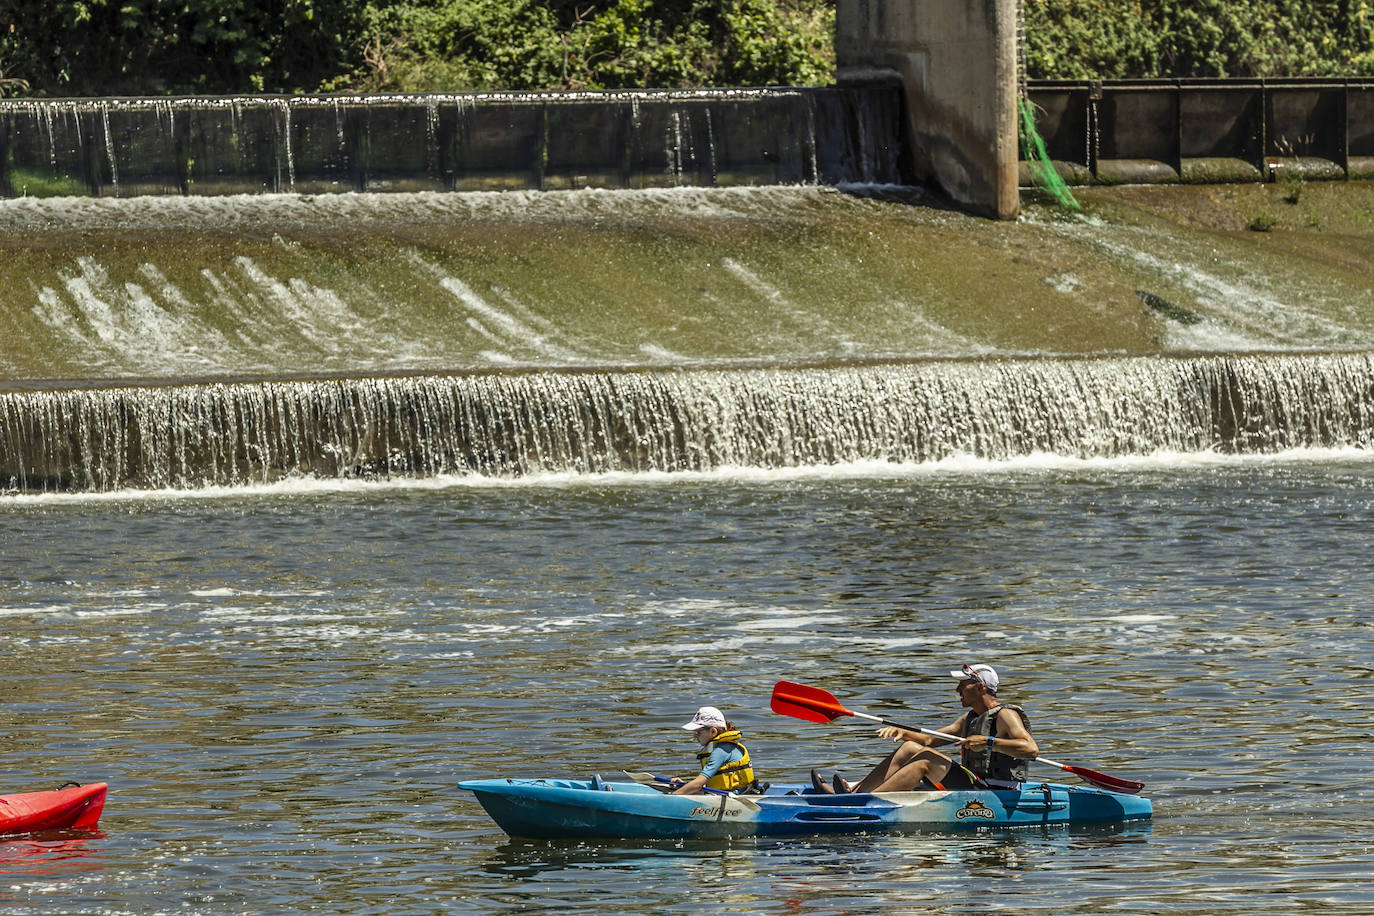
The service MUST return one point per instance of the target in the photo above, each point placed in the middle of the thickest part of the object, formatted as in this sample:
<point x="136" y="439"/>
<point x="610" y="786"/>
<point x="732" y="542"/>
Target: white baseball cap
<point x="982" y="673"/>
<point x="706" y="717"/>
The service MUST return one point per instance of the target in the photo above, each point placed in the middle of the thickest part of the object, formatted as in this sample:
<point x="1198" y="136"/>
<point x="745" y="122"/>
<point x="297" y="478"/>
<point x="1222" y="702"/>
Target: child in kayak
<point x="724" y="759"/>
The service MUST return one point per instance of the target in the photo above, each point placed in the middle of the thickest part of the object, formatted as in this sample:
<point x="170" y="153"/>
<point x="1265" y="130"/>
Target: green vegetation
<point x="143" y="47"/>
<point x="35" y="183"/>
<point x="156" y="47"/>
<point x="1124" y="39"/>
<point x="496" y="44"/>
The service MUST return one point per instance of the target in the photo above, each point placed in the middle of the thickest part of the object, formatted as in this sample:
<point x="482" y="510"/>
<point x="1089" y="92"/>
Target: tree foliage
<point x="1120" y="39"/>
<point x="153" y="47"/>
<point x="111" y="47"/>
<point x="546" y="44"/>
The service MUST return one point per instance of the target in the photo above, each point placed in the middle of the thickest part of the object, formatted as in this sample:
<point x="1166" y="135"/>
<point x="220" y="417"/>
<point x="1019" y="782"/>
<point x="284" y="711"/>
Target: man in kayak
<point x="724" y="759"/>
<point x="997" y="745"/>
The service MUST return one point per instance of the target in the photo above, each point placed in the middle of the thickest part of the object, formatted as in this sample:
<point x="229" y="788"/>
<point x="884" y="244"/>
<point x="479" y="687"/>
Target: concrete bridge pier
<point x="956" y="60"/>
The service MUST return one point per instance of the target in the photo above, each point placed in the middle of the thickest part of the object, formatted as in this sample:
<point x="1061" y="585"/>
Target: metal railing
<point x="1206" y="130"/>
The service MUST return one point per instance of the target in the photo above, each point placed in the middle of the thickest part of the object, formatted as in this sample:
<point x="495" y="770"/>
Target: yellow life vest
<point x="734" y="775"/>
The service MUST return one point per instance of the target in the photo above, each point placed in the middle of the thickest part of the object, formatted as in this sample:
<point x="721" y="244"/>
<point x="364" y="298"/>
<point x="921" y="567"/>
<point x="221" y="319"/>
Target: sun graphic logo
<point x="975" y="809"/>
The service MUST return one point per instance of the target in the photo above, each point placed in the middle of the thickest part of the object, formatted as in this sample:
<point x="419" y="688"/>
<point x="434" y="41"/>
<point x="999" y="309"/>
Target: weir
<point x="1206" y="130"/>
<point x="515" y="425"/>
<point x="456" y="141"/>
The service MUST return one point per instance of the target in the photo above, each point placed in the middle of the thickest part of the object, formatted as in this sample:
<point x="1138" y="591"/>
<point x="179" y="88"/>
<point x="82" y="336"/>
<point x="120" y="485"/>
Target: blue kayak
<point x="572" y="808"/>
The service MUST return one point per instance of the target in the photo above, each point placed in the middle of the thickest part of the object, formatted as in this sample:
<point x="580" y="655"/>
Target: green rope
<point x="1043" y="173"/>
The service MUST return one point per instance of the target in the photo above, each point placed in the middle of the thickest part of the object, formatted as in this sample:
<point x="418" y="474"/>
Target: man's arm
<point x="892" y="733"/>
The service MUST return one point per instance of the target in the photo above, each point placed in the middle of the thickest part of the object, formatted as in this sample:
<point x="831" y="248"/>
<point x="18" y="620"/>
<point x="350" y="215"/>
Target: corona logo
<point x="975" y="809"/>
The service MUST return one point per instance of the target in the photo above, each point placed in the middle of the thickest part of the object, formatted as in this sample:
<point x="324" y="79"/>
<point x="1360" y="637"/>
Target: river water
<point x="284" y="683"/>
<point x="314" y="507"/>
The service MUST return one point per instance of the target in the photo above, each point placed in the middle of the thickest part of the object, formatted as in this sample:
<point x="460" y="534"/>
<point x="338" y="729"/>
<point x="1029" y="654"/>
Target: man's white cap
<point x="983" y="673"/>
<point x="706" y="716"/>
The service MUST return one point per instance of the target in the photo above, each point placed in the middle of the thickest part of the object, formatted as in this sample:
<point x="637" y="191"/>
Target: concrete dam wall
<point x="472" y="141"/>
<point x="927" y="95"/>
<point x="1206" y="130"/>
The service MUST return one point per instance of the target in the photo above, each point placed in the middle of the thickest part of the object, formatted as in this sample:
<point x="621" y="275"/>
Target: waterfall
<point x="450" y="141"/>
<point x="510" y="425"/>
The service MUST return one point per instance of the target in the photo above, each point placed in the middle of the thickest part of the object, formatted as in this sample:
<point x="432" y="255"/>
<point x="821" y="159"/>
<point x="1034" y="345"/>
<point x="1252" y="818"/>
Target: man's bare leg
<point x="927" y="764"/>
<point x="895" y="762"/>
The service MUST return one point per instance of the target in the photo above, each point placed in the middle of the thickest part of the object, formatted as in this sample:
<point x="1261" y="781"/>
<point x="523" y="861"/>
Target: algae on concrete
<point x="357" y="284"/>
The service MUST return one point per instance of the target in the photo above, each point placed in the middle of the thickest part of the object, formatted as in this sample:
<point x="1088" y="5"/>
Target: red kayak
<point x="75" y="808"/>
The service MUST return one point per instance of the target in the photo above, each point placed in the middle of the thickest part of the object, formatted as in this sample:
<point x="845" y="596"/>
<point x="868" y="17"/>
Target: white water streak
<point x="509" y="331"/>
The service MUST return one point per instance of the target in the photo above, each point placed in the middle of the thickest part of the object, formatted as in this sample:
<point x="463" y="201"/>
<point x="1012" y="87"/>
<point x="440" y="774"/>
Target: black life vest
<point x="989" y="763"/>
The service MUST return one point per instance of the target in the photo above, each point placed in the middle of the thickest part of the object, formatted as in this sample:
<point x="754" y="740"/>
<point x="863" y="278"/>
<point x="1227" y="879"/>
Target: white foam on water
<point x="85" y="289"/>
<point x="228" y="614"/>
<point x="279" y="212"/>
<point x="31" y="611"/>
<point x="940" y="341"/>
<point x="227" y="592"/>
<point x="792" y="622"/>
<point x="662" y="354"/>
<point x="316" y="313"/>
<point x="692" y="653"/>
<point x="122" y="611"/>
<point x="334" y="634"/>
<point x="897" y="644"/>
<point x="1211" y="336"/>
<point x="1240" y="313"/>
<point x="1142" y="618"/>
<point x="808" y="322"/>
<point x="690" y="607"/>
<point x="498" y="359"/>
<point x="510" y="331"/>
<point x="958" y="466"/>
<point x="51" y="308"/>
<point x="294" y="618"/>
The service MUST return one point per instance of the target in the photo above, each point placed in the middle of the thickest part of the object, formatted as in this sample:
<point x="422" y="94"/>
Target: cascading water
<point x="193" y="436"/>
<point x="180" y="341"/>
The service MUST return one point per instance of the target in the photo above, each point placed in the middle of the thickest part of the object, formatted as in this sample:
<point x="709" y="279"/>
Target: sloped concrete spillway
<point x="193" y="436"/>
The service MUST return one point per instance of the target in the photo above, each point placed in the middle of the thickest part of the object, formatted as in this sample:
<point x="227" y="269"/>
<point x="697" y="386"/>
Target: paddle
<point x="816" y="705"/>
<point x="665" y="782"/>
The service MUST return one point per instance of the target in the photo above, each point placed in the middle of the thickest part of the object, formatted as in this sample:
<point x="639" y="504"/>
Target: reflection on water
<point x="283" y="687"/>
<point x="796" y="874"/>
<point x="50" y="853"/>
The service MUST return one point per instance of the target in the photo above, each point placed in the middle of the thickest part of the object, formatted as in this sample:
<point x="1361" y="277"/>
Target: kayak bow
<point x="74" y="808"/>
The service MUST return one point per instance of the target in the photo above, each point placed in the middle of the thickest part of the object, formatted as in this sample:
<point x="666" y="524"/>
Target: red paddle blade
<point x="810" y="703"/>
<point x="1103" y="781"/>
<point x="1097" y="778"/>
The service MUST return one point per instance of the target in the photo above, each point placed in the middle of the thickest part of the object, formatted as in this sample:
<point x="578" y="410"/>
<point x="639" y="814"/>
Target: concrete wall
<point x="1206" y="130"/>
<point x="956" y="60"/>
<point x="462" y="142"/>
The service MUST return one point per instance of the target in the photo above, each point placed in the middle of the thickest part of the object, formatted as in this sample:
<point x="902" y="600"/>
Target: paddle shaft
<point x="959" y="740"/>
<point x="1078" y="771"/>
<point x="649" y="779"/>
